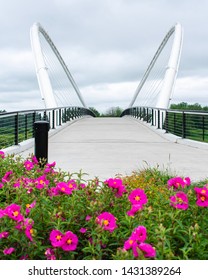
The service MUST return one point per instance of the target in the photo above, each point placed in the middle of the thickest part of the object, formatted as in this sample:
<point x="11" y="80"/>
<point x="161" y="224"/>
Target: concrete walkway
<point x="105" y="147"/>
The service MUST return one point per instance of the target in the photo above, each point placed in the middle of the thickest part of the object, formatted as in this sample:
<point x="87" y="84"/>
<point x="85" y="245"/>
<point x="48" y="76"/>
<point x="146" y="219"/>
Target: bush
<point x="50" y="214"/>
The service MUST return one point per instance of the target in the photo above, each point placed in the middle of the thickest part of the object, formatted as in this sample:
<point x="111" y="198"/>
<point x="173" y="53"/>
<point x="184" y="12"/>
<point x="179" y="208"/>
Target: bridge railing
<point x="183" y="123"/>
<point x="16" y="127"/>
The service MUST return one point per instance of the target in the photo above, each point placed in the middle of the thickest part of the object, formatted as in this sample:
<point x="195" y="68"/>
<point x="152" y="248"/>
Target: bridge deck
<point x="105" y="147"/>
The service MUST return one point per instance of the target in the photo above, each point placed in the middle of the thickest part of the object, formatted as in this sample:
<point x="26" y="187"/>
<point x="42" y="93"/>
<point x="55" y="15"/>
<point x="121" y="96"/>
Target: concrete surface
<point x="105" y="147"/>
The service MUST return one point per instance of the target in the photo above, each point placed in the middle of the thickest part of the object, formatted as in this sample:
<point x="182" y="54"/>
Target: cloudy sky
<point x="107" y="45"/>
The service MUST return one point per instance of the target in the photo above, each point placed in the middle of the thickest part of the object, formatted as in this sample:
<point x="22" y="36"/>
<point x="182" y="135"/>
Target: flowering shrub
<point x="55" y="215"/>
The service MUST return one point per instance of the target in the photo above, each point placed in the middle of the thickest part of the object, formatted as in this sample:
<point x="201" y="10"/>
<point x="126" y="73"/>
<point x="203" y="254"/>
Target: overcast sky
<point x="107" y="45"/>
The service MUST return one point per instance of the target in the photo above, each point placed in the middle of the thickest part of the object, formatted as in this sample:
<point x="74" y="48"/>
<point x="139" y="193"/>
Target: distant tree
<point x="95" y="111"/>
<point x="186" y="106"/>
<point x="113" y="112"/>
<point x="2" y="111"/>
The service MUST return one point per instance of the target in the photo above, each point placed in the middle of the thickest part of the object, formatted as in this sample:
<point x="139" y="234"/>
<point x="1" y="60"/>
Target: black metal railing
<point x="183" y="123"/>
<point x="18" y="126"/>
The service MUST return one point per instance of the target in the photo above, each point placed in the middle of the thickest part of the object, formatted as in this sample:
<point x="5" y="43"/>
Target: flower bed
<point x="46" y="213"/>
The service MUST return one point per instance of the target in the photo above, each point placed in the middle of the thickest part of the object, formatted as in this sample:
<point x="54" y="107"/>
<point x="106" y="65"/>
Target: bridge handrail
<point x="183" y="123"/>
<point x="18" y="126"/>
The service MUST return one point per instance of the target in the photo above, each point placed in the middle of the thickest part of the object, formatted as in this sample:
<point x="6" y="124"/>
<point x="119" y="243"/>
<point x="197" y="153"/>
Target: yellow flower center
<point x="105" y="222"/>
<point x="41" y="182"/>
<point x="69" y="241"/>
<point x="31" y="231"/>
<point x="70" y="186"/>
<point x="15" y="213"/>
<point x="137" y="198"/>
<point x="203" y="191"/>
<point x="58" y="237"/>
<point x="131" y="242"/>
<point x="179" y="200"/>
<point x="63" y="189"/>
<point x="203" y="198"/>
<point x="28" y="205"/>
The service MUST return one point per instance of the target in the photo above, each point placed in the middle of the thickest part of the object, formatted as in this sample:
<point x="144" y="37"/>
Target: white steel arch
<point x="171" y="69"/>
<point x="41" y="67"/>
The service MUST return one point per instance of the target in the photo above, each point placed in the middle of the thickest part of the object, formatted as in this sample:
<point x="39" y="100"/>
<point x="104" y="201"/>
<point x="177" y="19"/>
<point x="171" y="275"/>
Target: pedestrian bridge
<point x="105" y="147"/>
<point x="148" y="134"/>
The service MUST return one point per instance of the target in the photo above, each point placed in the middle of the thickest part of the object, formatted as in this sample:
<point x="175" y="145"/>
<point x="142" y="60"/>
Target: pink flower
<point x="117" y="185"/>
<point x="7" y="176"/>
<point x="64" y="188"/>
<point x="13" y="212"/>
<point x="138" y="196"/>
<point x="54" y="191"/>
<point x="56" y="238"/>
<point x="187" y="181"/>
<point x="29" y="232"/>
<point x="1" y="185"/>
<point x="49" y="167"/>
<point x="82" y="185"/>
<point x="8" y="251"/>
<point x="28" y="165"/>
<point x="2" y="154"/>
<point x="148" y="250"/>
<point x="88" y="217"/>
<point x="41" y="182"/>
<point x="30" y="206"/>
<point x="82" y="230"/>
<point x="26" y="223"/>
<point x="107" y="221"/>
<point x="134" y="208"/>
<point x="72" y="185"/>
<point x="4" y="234"/>
<point x="50" y="254"/>
<point x="2" y="213"/>
<point x="35" y="160"/>
<point x="179" y="200"/>
<point x="70" y="241"/>
<point x="24" y="257"/>
<point x="129" y="243"/>
<point x="179" y="182"/>
<point x="120" y="191"/>
<point x="17" y="183"/>
<point x="202" y="196"/>
<point x="53" y="164"/>
<point x="139" y="234"/>
<point x="27" y="183"/>
<point x="113" y="182"/>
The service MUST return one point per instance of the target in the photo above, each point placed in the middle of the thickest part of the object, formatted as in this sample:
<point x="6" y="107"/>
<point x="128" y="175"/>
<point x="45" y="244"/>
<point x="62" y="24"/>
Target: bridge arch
<point x="46" y="89"/>
<point x="171" y="71"/>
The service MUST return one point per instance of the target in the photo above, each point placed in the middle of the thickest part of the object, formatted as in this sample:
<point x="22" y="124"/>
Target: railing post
<point x="166" y="122"/>
<point x="183" y="125"/>
<point x="26" y="127"/>
<point x="16" y="129"/>
<point x="53" y="119"/>
<point x="33" y="121"/>
<point x="45" y="116"/>
<point x="155" y="124"/>
<point x="203" y="132"/>
<point x="41" y="141"/>
<point x="152" y="116"/>
<point x="60" y="115"/>
<point x="174" y="123"/>
<point x="158" y="119"/>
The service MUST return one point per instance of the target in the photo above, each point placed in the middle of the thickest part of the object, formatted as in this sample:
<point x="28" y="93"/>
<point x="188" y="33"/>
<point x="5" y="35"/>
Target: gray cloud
<point x="102" y="42"/>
